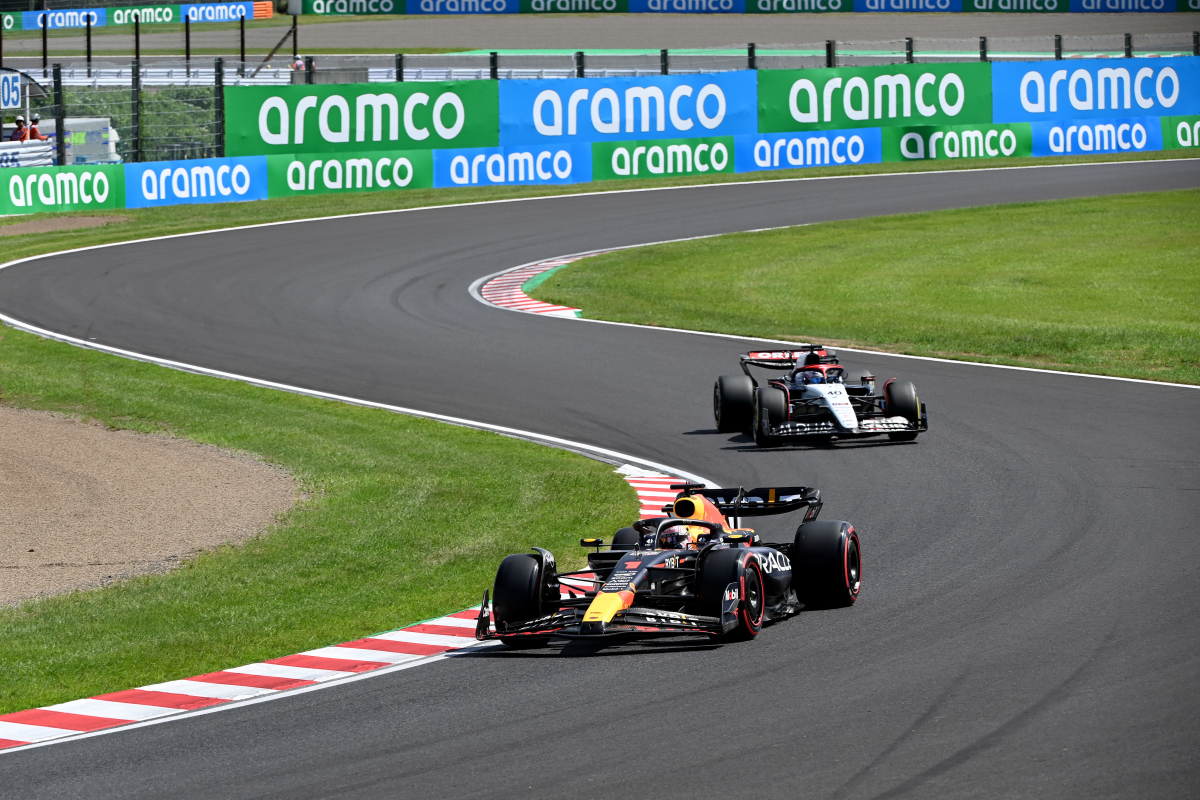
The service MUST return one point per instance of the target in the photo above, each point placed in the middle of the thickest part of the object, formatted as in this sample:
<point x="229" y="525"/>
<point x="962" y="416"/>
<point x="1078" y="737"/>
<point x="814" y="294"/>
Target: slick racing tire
<point x="625" y="539"/>
<point x="773" y="403"/>
<point x="515" y="596"/>
<point x="827" y="564"/>
<point x="901" y="397"/>
<point x="735" y="565"/>
<point x="733" y="403"/>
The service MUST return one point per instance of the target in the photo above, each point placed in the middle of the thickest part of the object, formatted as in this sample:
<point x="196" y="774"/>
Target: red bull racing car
<point x="693" y="571"/>
<point x="819" y="399"/>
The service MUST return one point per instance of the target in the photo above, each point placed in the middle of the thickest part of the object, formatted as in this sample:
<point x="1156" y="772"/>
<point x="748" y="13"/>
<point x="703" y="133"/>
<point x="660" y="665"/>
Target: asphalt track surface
<point x="1030" y="618"/>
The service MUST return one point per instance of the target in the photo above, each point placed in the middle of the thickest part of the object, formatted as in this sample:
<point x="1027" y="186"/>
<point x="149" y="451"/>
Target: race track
<point x="1030" y="618"/>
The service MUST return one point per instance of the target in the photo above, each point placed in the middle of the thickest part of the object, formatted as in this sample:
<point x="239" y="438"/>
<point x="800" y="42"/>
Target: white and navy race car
<point x="819" y="400"/>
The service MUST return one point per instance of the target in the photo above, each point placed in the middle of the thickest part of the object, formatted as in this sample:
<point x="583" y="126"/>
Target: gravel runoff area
<point x="51" y="224"/>
<point x="528" y="31"/>
<point x="83" y="506"/>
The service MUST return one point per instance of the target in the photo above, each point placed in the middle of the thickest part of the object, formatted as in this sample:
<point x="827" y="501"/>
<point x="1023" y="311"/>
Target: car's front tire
<point x="741" y="567"/>
<point x="733" y="403"/>
<point x="516" y="596"/>
<point x="902" y="401"/>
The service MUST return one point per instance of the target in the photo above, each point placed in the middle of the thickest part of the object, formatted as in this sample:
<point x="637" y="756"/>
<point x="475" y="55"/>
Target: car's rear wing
<point x="787" y="359"/>
<point x="759" y="502"/>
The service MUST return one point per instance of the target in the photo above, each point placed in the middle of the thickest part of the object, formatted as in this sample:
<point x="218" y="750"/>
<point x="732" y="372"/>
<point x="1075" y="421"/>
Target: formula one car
<point x="818" y="400"/>
<point x="691" y="572"/>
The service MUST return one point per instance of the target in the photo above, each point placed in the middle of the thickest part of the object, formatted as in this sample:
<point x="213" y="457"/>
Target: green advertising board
<point x="30" y="190"/>
<point x="574" y="6"/>
<point x="872" y="97"/>
<point x="355" y="117"/>
<point x="1180" y="133"/>
<point x="958" y="141"/>
<point x="145" y="14"/>
<point x="659" y="158"/>
<point x="290" y="175"/>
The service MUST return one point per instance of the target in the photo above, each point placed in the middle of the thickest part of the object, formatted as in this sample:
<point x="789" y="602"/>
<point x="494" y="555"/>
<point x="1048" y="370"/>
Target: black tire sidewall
<point x="820" y="566"/>
<point x="515" y="594"/>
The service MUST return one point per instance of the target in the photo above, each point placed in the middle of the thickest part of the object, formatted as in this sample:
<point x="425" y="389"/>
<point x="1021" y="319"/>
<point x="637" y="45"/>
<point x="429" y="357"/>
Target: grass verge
<point x="407" y="519"/>
<point x="1106" y="285"/>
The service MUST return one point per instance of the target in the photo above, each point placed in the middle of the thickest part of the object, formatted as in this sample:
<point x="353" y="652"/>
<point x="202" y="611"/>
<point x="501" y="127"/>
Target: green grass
<point x="406" y="519"/>
<point x="1108" y="286"/>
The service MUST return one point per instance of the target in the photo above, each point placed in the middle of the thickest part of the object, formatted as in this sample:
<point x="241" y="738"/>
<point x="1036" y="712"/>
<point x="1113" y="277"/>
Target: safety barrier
<point x="307" y="139"/>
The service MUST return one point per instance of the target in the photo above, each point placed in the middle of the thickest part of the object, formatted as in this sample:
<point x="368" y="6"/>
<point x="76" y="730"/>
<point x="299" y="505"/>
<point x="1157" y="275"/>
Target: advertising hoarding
<point x="957" y="141"/>
<point x="871" y="97"/>
<point x="650" y="107"/>
<point x="354" y="117"/>
<point x="515" y="165"/>
<point x="1087" y="136"/>
<point x="1037" y="91"/>
<point x="661" y="158"/>
<point x="291" y="175"/>
<point x="29" y="190"/>
<point x="202" y="180"/>
<point x="757" y="152"/>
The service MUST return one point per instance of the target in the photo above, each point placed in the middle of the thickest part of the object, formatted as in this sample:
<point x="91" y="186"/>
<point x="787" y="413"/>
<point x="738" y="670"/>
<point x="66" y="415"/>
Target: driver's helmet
<point x="813" y="376"/>
<point x="684" y="537"/>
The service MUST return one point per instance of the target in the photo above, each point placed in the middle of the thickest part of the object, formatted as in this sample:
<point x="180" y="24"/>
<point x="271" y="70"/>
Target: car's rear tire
<point x="773" y="403"/>
<point x="735" y="565"/>
<point x="733" y="403"/>
<point x="516" y="596"/>
<point x="827" y="564"/>
<point x="626" y="539"/>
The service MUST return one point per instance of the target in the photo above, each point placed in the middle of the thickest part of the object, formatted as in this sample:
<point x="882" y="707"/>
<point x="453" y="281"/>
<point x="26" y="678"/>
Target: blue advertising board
<point x="463" y="6"/>
<point x="32" y="20"/>
<point x="1039" y="91"/>
<point x="204" y="180"/>
<point x="216" y="12"/>
<point x="922" y="6"/>
<point x="763" y="151"/>
<point x="611" y="109"/>
<point x="687" y="6"/>
<point x="1082" y="137"/>
<point x="526" y="166"/>
<point x="1119" y="6"/>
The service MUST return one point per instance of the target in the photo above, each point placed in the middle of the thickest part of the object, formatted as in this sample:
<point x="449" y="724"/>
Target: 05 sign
<point x="10" y="90"/>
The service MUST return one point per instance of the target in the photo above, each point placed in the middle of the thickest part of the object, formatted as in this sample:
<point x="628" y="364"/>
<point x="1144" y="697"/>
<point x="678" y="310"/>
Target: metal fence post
<point x="400" y="67"/>
<point x="60" y="117"/>
<point x="908" y="50"/>
<point x="495" y="63"/>
<point x="310" y="67"/>
<point x="187" y="37"/>
<point x="830" y="53"/>
<point x="1057" y="47"/>
<point x="295" y="35"/>
<point x="136" y="128"/>
<point x="45" y="43"/>
<point x="751" y="56"/>
<point x="219" y="104"/>
<point x="983" y="48"/>
<point x="137" y="37"/>
<point x="1129" y="45"/>
<point x="242" y="43"/>
<point x="1196" y="43"/>
<point x="664" y="63"/>
<point x="578" y="63"/>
